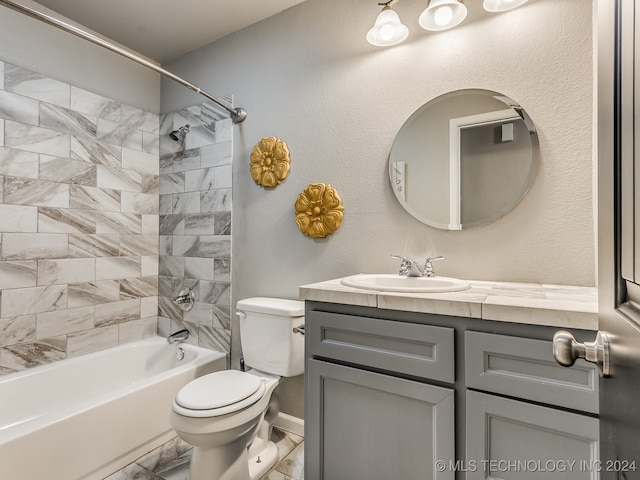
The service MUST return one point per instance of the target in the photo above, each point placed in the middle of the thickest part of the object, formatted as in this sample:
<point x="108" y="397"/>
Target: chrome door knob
<point x="566" y="350"/>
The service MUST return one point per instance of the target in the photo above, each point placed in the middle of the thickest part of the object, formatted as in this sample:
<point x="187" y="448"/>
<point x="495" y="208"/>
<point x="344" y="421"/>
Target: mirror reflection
<point x="464" y="159"/>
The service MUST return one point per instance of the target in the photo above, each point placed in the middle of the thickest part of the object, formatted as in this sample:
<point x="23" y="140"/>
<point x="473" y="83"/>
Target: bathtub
<point x="89" y="416"/>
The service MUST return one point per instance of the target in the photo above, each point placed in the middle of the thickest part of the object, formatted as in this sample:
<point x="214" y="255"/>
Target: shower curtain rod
<point x="237" y="114"/>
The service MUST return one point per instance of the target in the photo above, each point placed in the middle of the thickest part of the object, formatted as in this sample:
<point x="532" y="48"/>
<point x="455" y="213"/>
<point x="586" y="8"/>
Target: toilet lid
<point x="217" y="390"/>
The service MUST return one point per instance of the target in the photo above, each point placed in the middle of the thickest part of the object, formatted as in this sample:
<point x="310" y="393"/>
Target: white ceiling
<point x="165" y="29"/>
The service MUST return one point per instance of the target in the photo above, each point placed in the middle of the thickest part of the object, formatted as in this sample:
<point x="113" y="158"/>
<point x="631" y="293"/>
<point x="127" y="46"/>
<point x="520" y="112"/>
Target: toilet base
<point x="263" y="461"/>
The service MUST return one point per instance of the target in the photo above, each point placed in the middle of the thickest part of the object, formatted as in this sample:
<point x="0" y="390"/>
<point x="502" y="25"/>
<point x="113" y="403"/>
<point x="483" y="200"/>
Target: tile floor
<point x="171" y="461"/>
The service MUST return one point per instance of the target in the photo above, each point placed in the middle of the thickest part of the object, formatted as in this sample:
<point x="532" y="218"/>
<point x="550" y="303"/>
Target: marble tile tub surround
<point x="562" y="306"/>
<point x="79" y="216"/>
<point x="195" y="224"/>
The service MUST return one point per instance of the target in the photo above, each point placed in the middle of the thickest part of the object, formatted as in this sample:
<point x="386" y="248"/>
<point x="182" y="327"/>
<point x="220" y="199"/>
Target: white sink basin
<point x="389" y="282"/>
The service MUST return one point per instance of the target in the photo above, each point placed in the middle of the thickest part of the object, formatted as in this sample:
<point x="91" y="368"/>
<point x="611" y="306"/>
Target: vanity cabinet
<point x="511" y="439"/>
<point x="392" y="394"/>
<point x="517" y="436"/>
<point x="372" y="412"/>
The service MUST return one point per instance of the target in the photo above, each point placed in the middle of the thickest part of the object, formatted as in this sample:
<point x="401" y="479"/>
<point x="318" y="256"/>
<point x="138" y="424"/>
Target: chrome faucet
<point x="409" y="268"/>
<point x="179" y="336"/>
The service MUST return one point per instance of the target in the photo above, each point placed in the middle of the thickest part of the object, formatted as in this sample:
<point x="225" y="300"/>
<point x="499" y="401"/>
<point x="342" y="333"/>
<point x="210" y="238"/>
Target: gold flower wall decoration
<point x="319" y="210"/>
<point x="270" y="162"/>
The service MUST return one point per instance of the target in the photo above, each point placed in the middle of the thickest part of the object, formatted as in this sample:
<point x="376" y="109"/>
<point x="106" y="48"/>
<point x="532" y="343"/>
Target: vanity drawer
<point x="421" y="351"/>
<point x="525" y="368"/>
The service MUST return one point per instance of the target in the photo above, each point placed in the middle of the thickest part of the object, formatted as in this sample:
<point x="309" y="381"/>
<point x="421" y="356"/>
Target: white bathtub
<point x="86" y="417"/>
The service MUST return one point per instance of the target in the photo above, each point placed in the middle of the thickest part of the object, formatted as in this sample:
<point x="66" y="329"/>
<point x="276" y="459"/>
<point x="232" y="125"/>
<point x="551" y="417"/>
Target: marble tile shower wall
<point x="195" y="224"/>
<point x="79" y="221"/>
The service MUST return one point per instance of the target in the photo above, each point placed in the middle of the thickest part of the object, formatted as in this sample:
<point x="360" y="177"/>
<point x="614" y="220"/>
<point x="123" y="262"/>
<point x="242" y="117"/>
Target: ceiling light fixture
<point x="501" y="5"/>
<point x="388" y="30"/>
<point x="442" y="15"/>
<point x="439" y="15"/>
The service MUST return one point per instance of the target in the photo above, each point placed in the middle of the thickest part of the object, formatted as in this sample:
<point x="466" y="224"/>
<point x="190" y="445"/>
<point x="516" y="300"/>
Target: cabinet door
<point x="512" y="440"/>
<point x="361" y="425"/>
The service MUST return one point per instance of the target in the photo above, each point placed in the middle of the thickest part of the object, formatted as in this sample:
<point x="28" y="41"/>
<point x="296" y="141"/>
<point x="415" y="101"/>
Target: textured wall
<point x="49" y="51"/>
<point x="78" y="220"/>
<point x="338" y="103"/>
<point x="309" y="77"/>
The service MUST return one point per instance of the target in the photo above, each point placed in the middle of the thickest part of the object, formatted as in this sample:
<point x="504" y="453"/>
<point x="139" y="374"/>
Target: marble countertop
<point x="560" y="306"/>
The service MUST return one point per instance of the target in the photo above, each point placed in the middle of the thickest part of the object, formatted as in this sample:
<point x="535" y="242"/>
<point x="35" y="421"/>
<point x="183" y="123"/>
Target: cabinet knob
<point x="566" y="350"/>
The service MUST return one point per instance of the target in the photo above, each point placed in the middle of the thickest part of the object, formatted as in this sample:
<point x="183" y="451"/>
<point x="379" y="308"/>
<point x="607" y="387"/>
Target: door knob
<point x="566" y="350"/>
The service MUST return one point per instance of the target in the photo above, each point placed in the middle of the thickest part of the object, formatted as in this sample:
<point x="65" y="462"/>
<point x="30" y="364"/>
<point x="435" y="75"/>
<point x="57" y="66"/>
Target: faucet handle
<point x="428" y="266"/>
<point x="405" y="264"/>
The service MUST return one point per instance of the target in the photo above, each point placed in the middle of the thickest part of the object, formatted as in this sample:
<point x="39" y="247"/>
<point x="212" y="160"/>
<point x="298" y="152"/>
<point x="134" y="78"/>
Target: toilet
<point x="227" y="416"/>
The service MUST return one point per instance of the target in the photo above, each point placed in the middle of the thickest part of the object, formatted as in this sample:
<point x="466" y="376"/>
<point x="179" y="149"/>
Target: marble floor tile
<point x="171" y="461"/>
<point x="285" y="441"/>
<point x="292" y="466"/>
<point x="164" y="455"/>
<point x="134" y="472"/>
<point x="177" y="469"/>
<point x="275" y="475"/>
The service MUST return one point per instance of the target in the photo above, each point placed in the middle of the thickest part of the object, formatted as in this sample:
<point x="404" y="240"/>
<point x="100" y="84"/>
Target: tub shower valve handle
<point x="185" y="299"/>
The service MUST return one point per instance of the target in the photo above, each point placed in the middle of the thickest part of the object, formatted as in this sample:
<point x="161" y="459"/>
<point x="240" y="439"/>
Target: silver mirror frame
<point x="504" y="111"/>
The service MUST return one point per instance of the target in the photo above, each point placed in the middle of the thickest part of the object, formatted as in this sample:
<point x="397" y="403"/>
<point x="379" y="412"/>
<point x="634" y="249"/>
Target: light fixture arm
<point x="388" y="4"/>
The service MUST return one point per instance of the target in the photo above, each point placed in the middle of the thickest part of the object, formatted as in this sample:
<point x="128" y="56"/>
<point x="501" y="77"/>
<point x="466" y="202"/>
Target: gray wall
<point x="308" y="77"/>
<point x="49" y="51"/>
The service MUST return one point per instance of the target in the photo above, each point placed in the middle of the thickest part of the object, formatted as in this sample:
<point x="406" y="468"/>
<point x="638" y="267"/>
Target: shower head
<point x="179" y="134"/>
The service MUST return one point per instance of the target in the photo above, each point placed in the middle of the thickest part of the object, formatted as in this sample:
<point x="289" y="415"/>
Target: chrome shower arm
<point x="237" y="114"/>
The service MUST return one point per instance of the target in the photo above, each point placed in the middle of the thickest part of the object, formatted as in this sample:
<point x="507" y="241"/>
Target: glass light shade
<point x="501" y="5"/>
<point x="443" y="14"/>
<point x="388" y="30"/>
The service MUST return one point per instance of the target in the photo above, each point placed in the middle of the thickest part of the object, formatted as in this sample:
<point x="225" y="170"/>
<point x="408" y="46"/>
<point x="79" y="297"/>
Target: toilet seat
<point x="218" y="393"/>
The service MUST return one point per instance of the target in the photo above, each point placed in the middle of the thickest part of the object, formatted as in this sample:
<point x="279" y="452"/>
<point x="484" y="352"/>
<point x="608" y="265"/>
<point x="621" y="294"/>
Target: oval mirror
<point x="464" y="159"/>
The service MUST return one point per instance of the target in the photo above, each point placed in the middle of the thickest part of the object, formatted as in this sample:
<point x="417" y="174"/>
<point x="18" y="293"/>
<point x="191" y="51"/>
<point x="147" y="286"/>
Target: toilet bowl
<point x="228" y="416"/>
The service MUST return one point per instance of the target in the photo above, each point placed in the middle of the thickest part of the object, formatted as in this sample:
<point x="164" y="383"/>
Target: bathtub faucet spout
<point x="179" y="336"/>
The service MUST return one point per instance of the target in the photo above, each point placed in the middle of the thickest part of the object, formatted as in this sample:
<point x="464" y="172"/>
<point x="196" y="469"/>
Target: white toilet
<point x="227" y="416"/>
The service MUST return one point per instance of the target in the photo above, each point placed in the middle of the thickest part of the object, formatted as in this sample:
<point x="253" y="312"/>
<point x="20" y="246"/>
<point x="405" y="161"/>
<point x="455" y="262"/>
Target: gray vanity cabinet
<point x="515" y="438"/>
<point x="510" y="439"/>
<point x="371" y="413"/>
<point x="405" y="395"/>
<point x="375" y="426"/>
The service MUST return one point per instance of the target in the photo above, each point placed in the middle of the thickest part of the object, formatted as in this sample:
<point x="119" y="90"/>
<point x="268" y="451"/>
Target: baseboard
<point x="290" y="423"/>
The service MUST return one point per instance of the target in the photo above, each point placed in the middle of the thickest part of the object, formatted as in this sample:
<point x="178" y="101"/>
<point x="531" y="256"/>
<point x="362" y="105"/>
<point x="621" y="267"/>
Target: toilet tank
<point x="266" y="333"/>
